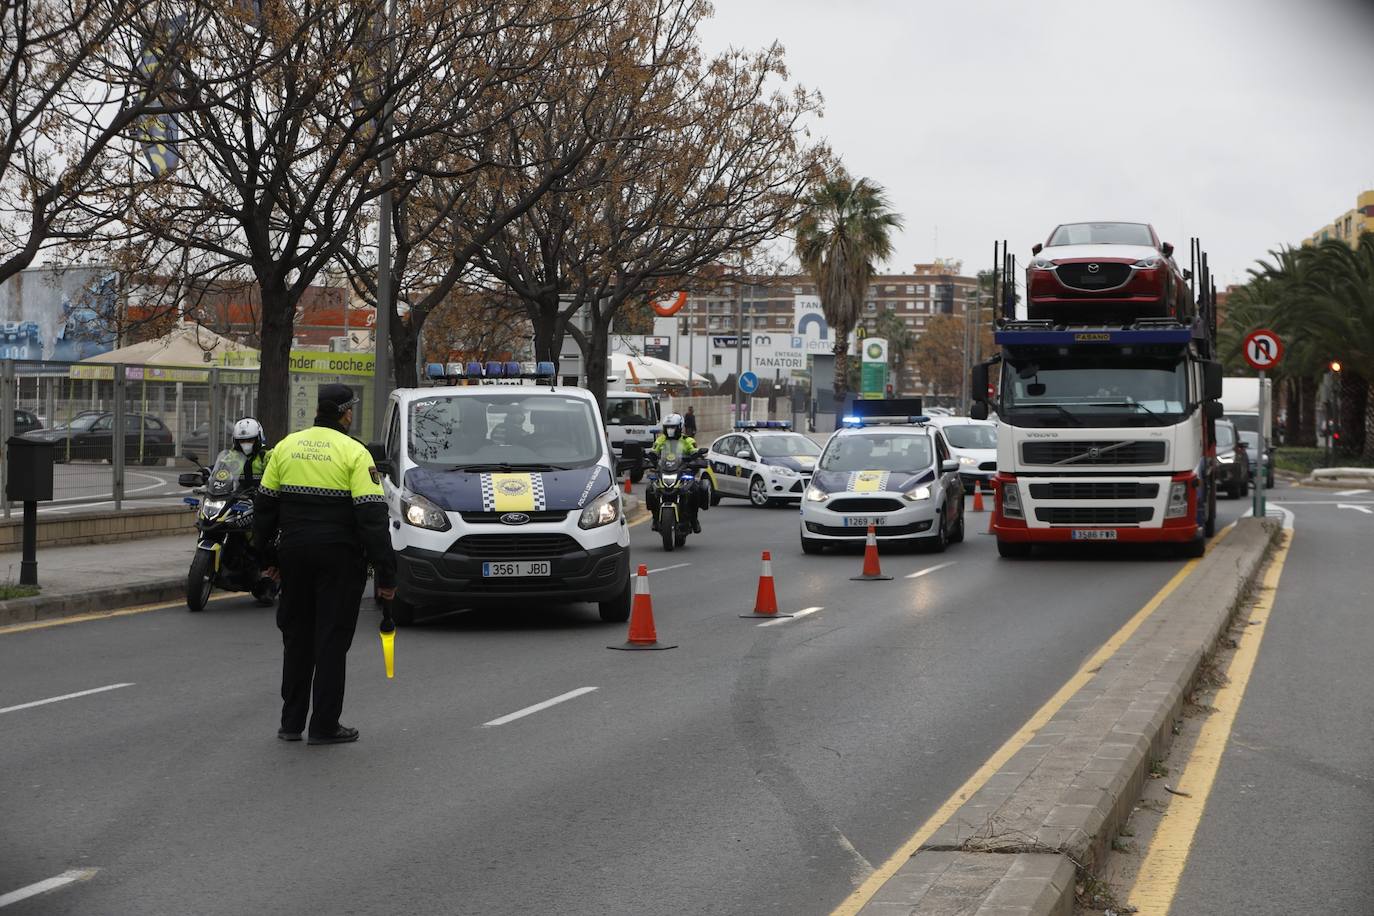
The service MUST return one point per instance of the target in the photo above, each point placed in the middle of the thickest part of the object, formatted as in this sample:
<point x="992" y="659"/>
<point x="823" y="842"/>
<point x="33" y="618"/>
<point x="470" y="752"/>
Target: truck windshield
<point x="498" y="430"/>
<point x="1095" y="390"/>
<point x="623" y="411"/>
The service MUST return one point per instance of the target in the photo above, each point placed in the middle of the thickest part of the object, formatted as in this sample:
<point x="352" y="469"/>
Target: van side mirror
<point x="1037" y="248"/>
<point x="978" y="389"/>
<point x="978" y="410"/>
<point x="1213" y="410"/>
<point x="1211" y="380"/>
<point x="379" y="458"/>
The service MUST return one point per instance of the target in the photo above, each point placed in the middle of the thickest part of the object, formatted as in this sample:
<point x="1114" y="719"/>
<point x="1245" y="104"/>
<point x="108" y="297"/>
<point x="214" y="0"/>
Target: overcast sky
<point x="1248" y="123"/>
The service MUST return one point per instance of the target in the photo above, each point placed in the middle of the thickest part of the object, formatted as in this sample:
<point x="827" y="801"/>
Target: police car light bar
<point x="455" y="370"/>
<point x="763" y="424"/>
<point x="434" y="370"/>
<point x="857" y="422"/>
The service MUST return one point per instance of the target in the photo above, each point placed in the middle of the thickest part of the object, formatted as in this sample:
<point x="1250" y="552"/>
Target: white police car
<point x="763" y="462"/>
<point x="894" y="473"/>
<point x="502" y="489"/>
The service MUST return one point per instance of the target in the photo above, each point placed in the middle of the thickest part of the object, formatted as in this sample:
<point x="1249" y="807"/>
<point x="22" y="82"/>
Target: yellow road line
<point x="1160" y="872"/>
<point x="864" y="892"/>
<point x="103" y="615"/>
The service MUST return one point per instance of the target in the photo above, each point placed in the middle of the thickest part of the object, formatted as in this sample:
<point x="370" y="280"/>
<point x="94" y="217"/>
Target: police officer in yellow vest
<point x="323" y="493"/>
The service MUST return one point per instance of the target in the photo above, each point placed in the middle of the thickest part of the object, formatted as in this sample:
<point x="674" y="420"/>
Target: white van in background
<point x="631" y="417"/>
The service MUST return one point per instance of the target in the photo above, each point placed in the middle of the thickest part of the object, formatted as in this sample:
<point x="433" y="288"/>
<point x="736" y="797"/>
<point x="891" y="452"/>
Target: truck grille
<point x="514" y="546"/>
<point x="1085" y="489"/>
<point x="1081" y="452"/>
<point x="865" y="504"/>
<point x="1107" y="276"/>
<point x="1094" y="515"/>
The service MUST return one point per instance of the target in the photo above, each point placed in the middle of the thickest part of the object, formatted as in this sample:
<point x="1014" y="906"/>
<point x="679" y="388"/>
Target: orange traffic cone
<point x="766" y="601"/>
<point x="872" y="571"/>
<point x="977" y="498"/>
<point x="627" y="484"/>
<point x="642" y="634"/>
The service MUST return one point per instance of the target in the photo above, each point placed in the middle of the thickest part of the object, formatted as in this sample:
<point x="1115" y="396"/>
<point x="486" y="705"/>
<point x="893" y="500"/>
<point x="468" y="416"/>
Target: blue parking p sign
<point x="748" y="383"/>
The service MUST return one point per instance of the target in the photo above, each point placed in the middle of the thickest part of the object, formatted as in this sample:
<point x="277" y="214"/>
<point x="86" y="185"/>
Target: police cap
<point x="336" y="398"/>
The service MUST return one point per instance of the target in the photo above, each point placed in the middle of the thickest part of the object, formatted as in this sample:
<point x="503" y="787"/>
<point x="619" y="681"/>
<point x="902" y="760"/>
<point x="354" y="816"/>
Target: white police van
<point x="632" y="418"/>
<point x="502" y="487"/>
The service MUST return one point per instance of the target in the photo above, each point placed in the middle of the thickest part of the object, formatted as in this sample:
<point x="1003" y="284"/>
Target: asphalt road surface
<point x="1290" y="820"/>
<point x="753" y="769"/>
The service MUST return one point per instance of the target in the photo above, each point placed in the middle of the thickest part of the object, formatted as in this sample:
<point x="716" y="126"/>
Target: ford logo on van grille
<point x="515" y="518"/>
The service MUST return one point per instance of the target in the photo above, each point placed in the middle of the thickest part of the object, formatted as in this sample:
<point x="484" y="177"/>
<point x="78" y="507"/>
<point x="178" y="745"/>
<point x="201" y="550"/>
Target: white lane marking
<point x="537" y="707"/>
<point x="52" y="884"/>
<point x="1365" y="509"/>
<point x="795" y="616"/>
<point x="666" y="568"/>
<point x="69" y="696"/>
<point x="1351" y="492"/>
<point x="925" y="572"/>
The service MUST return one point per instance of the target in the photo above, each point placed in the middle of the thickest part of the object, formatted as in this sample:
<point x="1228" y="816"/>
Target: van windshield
<point x="627" y="411"/>
<point x="499" y="430"/>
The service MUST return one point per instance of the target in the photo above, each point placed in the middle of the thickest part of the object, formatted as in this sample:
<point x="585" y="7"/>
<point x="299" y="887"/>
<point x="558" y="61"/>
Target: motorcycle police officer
<point x="323" y="493"/>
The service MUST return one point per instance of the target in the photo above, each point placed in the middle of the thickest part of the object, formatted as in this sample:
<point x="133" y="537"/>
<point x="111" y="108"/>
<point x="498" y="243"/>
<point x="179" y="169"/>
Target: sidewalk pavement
<point x="99" y="577"/>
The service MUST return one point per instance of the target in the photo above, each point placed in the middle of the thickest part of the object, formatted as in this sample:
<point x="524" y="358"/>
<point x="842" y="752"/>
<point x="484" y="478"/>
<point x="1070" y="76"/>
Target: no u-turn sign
<point x="1263" y="349"/>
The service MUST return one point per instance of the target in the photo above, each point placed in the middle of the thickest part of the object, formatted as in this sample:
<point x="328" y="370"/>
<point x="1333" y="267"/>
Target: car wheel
<point x="712" y="497"/>
<point x="811" y="546"/>
<point x="1245" y="488"/>
<point x="636" y="475"/>
<point x="1269" y="482"/>
<point x="1013" y="550"/>
<point x="758" y="493"/>
<point x="617" y="609"/>
<point x="941" y="539"/>
<point x="1233" y="492"/>
<point x="957" y="536"/>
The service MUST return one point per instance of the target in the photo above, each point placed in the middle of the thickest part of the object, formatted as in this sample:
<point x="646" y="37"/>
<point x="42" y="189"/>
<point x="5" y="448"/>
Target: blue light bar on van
<point x="495" y="369"/>
<point x="859" y="422"/>
<point x="455" y="370"/>
<point x="512" y="370"/>
<point x="763" y="424"/>
<point x="474" y="370"/>
<point x="434" y="370"/>
<point x="544" y="368"/>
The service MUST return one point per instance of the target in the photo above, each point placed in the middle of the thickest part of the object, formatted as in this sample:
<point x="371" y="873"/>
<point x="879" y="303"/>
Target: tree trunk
<point x="596" y="355"/>
<point x="405" y="340"/>
<point x="1353" y="438"/>
<point x="841" y="351"/>
<point x="274" y="374"/>
<point x="1292" y="411"/>
<point x="1307" y="402"/>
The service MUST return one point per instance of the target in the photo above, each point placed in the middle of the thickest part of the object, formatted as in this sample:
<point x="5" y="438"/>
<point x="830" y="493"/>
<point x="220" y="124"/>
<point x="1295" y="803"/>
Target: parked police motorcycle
<point x="224" y="521"/>
<point x="673" y="478"/>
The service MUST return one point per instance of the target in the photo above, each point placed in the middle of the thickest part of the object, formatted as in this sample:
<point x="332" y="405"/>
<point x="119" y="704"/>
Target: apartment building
<point x="1349" y="225"/>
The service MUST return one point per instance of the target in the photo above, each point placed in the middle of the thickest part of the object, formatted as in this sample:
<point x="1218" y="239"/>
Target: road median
<point x="1040" y="825"/>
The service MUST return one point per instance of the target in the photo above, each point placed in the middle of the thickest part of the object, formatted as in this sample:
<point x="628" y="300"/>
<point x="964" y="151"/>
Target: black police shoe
<point x="288" y="735"/>
<point x="342" y="735"/>
<point x="696" y="527"/>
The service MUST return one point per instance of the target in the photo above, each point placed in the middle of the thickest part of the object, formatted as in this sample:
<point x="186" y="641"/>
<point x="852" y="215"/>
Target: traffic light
<point x="1335" y="365"/>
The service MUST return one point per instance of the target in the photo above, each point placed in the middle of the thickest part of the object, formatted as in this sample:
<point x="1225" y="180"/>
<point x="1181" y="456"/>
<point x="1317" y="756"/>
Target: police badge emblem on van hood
<point x="514" y="491"/>
<point x="869" y="481"/>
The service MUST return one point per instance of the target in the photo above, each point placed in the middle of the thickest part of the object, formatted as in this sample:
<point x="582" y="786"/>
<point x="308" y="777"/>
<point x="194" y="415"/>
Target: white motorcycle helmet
<point x="672" y="427"/>
<point x="248" y="436"/>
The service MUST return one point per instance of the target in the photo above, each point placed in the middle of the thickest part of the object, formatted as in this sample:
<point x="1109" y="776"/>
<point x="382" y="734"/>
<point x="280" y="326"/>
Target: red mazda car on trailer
<point x="1104" y="268"/>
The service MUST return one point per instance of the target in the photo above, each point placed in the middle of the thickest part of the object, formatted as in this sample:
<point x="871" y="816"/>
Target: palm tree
<point x="844" y="230"/>
<point x="1340" y="285"/>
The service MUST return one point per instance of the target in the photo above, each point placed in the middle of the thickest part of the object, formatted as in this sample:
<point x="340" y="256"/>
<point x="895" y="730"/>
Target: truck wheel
<point x="1013" y="550"/>
<point x="617" y="609"/>
<point x="1194" y="548"/>
<point x="1210" y="522"/>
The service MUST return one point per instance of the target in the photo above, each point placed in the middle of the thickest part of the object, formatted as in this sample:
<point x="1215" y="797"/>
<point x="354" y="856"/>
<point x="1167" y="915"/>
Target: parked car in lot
<point x="25" y="422"/>
<point x="90" y="435"/>
<point x="1099" y="271"/>
<point x="1233" y="463"/>
<point x="1250" y="439"/>
<point x="973" y="443"/>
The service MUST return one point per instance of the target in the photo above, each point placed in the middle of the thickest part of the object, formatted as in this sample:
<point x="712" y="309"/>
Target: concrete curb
<point x="52" y="607"/>
<point x="1063" y="796"/>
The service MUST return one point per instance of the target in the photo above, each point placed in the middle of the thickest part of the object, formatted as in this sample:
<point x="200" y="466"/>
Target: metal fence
<point x="121" y="431"/>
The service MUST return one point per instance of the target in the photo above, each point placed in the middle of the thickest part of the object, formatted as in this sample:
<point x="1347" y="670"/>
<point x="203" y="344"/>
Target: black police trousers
<point x="322" y="587"/>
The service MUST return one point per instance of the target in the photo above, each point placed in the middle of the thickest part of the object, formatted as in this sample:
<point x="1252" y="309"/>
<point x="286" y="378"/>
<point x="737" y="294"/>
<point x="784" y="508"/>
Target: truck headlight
<point x="916" y="494"/>
<point x="1011" y="501"/>
<point x="816" y="495"/>
<point x="422" y="513"/>
<point x="601" y="511"/>
<point x="1178" y="500"/>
